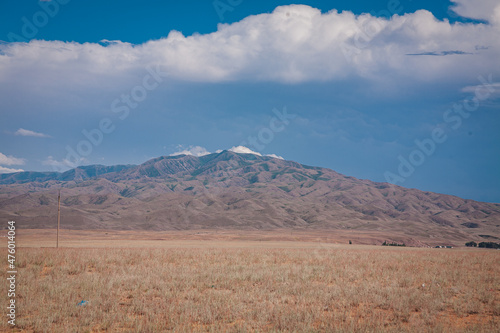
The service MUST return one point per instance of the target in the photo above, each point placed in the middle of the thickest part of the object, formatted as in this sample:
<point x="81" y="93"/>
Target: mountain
<point x="239" y="191"/>
<point x="80" y="173"/>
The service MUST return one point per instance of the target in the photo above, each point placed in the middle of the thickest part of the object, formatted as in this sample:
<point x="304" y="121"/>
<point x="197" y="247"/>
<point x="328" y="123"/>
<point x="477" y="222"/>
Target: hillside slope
<point x="238" y="191"/>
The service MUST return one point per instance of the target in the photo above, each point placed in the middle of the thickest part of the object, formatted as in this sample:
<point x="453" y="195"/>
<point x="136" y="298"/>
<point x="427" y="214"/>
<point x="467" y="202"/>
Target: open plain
<point x="247" y="282"/>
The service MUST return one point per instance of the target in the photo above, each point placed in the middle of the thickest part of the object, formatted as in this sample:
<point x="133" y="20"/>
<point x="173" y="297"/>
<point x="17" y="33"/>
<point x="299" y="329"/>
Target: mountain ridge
<point x="238" y="191"/>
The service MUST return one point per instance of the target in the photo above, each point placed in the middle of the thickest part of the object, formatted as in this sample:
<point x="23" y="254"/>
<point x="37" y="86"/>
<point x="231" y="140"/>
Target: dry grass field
<point x="255" y="287"/>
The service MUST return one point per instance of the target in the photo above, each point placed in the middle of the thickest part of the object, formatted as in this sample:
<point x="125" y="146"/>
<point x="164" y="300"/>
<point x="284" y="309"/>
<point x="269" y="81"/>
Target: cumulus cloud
<point x="487" y="10"/>
<point x="63" y="164"/>
<point x="201" y="151"/>
<point x="294" y="43"/>
<point x="275" y="156"/>
<point x="25" y="132"/>
<point x="243" y="150"/>
<point x="10" y="160"/>
<point x="192" y="150"/>
<point x="53" y="162"/>
<point x="7" y="170"/>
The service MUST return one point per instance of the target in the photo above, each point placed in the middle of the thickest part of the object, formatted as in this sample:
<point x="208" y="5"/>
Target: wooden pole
<point x="58" y="216"/>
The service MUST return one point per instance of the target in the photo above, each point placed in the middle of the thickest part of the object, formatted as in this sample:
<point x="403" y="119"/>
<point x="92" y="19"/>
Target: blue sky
<point x="400" y="91"/>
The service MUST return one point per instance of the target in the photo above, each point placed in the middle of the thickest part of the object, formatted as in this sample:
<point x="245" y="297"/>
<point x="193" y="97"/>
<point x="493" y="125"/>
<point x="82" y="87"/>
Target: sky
<point x="400" y="91"/>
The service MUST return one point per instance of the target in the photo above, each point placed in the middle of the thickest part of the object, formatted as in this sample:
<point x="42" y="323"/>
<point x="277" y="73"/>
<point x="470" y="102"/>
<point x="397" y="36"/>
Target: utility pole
<point x="58" y="216"/>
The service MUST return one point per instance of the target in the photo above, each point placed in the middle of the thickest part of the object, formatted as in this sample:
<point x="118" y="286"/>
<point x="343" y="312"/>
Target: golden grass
<point x="310" y="289"/>
<point x="219" y="238"/>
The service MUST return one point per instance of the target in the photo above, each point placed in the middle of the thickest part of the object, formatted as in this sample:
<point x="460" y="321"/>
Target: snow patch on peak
<point x="275" y="156"/>
<point x="191" y="150"/>
<point x="199" y="151"/>
<point x="243" y="150"/>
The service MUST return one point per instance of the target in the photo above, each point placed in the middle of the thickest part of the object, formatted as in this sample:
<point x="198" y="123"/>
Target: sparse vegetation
<point x="44" y="200"/>
<point x="471" y="225"/>
<point x="254" y="178"/>
<point x="488" y="236"/>
<point x="489" y="245"/>
<point x="257" y="290"/>
<point x="386" y="243"/>
<point x="285" y="188"/>
<point x="99" y="199"/>
<point x="126" y="192"/>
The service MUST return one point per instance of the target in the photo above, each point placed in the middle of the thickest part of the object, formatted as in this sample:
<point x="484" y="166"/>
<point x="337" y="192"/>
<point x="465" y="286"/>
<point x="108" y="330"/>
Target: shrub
<point x="489" y="245"/>
<point x="385" y="243"/>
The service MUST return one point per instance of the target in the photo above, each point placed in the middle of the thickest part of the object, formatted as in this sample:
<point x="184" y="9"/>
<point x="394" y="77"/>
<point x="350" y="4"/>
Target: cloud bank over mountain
<point x="10" y="160"/>
<point x="202" y="151"/>
<point x="293" y="44"/>
<point x="364" y="89"/>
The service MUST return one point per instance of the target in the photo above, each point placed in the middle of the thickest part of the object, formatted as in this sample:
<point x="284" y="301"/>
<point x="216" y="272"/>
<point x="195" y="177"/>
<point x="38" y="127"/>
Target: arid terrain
<point x="242" y="243"/>
<point x="136" y="238"/>
<point x="250" y="285"/>
<point x="230" y="166"/>
<point x="242" y="192"/>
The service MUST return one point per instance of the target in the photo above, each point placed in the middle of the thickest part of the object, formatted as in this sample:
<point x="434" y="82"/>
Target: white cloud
<point x="63" y="165"/>
<point x="10" y="160"/>
<point x="493" y="88"/>
<point x="294" y="43"/>
<point x="52" y="162"/>
<point x="7" y="170"/>
<point x="201" y="151"/>
<point x="478" y="9"/>
<point x="192" y="150"/>
<point x="275" y="156"/>
<point x="244" y="150"/>
<point x="25" y="132"/>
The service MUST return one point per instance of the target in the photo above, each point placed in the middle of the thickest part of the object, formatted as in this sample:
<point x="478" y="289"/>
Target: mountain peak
<point x="199" y="151"/>
<point x="240" y="190"/>
<point x="245" y="150"/>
